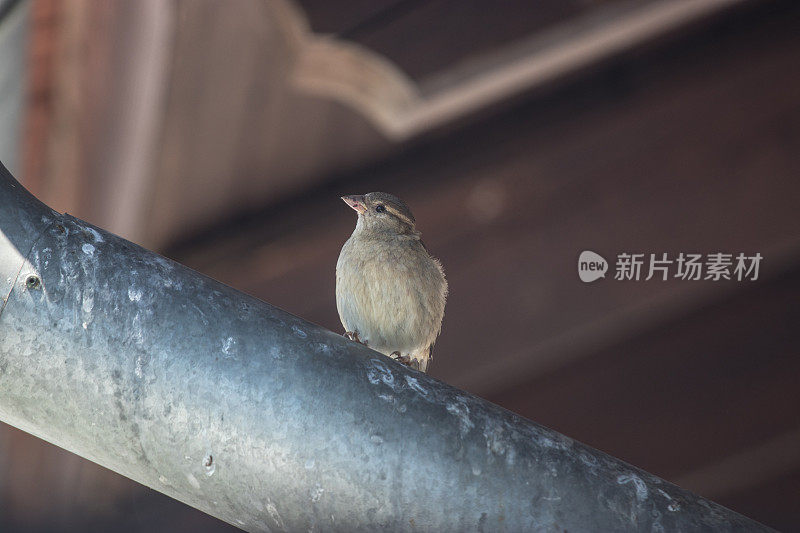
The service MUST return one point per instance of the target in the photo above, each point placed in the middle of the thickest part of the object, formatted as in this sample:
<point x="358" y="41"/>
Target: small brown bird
<point x="390" y="292"/>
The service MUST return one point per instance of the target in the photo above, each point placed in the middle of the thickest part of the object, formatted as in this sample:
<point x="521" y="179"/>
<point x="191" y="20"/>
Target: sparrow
<point x="390" y="293"/>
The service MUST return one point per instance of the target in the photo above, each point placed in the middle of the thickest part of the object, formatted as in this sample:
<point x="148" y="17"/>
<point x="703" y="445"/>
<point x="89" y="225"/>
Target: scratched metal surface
<point x="269" y="422"/>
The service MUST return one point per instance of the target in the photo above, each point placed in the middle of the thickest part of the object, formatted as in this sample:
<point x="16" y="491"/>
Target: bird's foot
<point x="353" y="336"/>
<point x="409" y="361"/>
<point x="397" y="356"/>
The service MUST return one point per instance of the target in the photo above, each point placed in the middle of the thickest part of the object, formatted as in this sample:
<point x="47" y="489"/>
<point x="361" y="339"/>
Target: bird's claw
<point x="397" y="356"/>
<point x="406" y="360"/>
<point x="353" y="336"/>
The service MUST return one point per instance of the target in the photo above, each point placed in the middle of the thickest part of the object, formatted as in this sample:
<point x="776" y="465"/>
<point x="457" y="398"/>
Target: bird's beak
<point x="356" y="201"/>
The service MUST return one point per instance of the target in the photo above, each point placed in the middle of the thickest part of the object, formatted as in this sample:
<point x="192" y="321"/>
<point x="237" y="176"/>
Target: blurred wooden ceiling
<point x="159" y="119"/>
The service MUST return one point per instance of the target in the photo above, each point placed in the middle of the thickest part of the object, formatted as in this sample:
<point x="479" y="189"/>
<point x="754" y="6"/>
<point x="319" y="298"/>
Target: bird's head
<point x="380" y="211"/>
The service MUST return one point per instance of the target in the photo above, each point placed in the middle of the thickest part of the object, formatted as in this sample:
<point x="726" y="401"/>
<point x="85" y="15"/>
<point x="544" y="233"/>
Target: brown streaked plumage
<point x="390" y="292"/>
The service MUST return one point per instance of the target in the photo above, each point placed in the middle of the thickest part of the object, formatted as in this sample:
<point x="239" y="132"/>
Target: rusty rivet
<point x="33" y="282"/>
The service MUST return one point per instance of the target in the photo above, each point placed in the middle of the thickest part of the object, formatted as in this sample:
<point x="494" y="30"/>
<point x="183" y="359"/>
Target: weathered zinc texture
<point x="272" y="423"/>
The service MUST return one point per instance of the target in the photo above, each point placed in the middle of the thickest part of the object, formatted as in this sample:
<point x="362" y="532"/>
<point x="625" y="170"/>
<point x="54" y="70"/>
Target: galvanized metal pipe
<point x="268" y="422"/>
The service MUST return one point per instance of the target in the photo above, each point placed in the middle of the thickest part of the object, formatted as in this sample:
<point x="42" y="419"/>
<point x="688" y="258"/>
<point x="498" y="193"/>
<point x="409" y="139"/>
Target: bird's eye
<point x="380" y="208"/>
